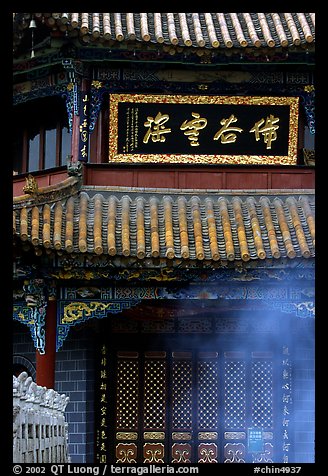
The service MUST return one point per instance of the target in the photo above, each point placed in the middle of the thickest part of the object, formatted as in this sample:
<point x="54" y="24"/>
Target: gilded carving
<point x="153" y="452"/>
<point x="126" y="453"/>
<point x="126" y="435"/>
<point x="207" y="435"/>
<point x="234" y="435"/>
<point x="266" y="456"/>
<point x="179" y="435"/>
<point x="207" y="453"/>
<point x="154" y="435"/>
<point x="76" y="310"/>
<point x="83" y="310"/>
<point x="96" y="84"/>
<point x="31" y="186"/>
<point x="181" y="453"/>
<point x="234" y="453"/>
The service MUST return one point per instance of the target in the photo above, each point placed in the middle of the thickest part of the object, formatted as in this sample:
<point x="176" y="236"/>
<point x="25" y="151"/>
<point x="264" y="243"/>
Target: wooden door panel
<point x="191" y="406"/>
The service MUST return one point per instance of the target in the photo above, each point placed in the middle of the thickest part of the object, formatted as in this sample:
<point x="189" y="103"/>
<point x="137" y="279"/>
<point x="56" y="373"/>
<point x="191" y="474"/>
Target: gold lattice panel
<point x="207" y="394"/>
<point x="262" y="393"/>
<point x="127" y="394"/>
<point x="155" y="394"/>
<point x="234" y="394"/>
<point x="182" y="395"/>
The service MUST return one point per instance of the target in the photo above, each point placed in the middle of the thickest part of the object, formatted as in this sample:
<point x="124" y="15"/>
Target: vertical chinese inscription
<point x="102" y="421"/>
<point x="286" y="402"/>
<point x="84" y="129"/>
<point x="132" y="129"/>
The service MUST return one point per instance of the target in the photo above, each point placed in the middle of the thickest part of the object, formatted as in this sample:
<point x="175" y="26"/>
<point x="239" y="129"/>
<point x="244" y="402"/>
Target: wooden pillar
<point x="75" y="138"/>
<point x="45" y="364"/>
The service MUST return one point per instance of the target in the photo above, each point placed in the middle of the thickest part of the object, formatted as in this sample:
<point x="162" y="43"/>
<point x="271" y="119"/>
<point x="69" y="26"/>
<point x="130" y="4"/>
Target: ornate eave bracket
<point x="308" y="97"/>
<point x="74" y="71"/>
<point x="32" y="312"/>
<point x="71" y="313"/>
<point x="96" y="97"/>
<point x="23" y="314"/>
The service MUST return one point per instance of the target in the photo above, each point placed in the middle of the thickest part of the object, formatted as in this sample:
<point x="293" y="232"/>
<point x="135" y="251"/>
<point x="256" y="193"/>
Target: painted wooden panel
<point x="244" y="180"/>
<point x="158" y="179"/>
<point x="103" y="177"/>
<point x="181" y="178"/>
<point x="295" y="180"/>
<point x="199" y="179"/>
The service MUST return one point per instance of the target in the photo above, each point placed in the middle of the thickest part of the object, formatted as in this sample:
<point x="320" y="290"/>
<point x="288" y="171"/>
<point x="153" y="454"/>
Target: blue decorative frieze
<point x="304" y="309"/>
<point x="96" y="97"/>
<point x="243" y="291"/>
<point x="24" y="94"/>
<point x="111" y="292"/>
<point x="79" y="304"/>
<point x="239" y="292"/>
<point x="108" y="74"/>
<point x="70" y="100"/>
<point x="194" y="325"/>
<point x="162" y="326"/>
<point x="298" y="77"/>
<point x="142" y="74"/>
<point x="308" y="97"/>
<point x="227" y="325"/>
<point x="102" y="267"/>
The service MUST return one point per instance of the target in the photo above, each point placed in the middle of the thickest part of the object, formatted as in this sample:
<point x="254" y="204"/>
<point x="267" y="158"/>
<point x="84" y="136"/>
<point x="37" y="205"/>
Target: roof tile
<point x="206" y="226"/>
<point x="198" y="30"/>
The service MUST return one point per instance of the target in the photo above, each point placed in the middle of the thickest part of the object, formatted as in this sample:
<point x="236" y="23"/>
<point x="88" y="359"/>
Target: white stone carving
<point x="39" y="428"/>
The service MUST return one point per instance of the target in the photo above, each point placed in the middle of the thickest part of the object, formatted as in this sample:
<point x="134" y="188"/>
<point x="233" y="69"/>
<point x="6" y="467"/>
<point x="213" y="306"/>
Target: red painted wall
<point x="183" y="178"/>
<point x="200" y="178"/>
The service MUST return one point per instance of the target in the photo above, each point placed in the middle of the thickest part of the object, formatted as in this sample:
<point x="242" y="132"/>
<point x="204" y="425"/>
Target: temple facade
<point x="163" y="231"/>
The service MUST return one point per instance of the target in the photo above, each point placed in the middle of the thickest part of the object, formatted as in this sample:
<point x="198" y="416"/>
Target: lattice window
<point x="207" y="394"/>
<point x="155" y="394"/>
<point x="182" y="395"/>
<point x="127" y="394"/>
<point x="235" y="394"/>
<point x="262" y="393"/>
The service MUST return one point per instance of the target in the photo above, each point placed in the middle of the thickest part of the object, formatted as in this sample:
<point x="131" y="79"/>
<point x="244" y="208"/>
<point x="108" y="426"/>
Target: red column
<point x="45" y="364"/>
<point x="75" y="138"/>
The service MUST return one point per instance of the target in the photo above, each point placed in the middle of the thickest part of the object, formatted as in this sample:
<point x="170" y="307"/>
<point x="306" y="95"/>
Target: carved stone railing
<point x="39" y="429"/>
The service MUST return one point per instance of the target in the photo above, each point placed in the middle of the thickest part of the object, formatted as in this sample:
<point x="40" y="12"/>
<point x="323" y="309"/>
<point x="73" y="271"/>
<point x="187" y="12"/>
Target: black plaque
<point x="203" y="129"/>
